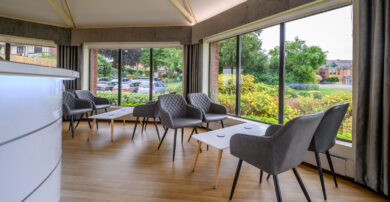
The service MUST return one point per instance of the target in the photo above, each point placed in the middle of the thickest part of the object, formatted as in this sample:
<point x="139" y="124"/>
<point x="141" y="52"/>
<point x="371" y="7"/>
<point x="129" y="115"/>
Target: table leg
<point x="91" y="129"/>
<point x="124" y="120"/>
<point x="112" y="130"/>
<point x="218" y="166"/>
<point x="197" y="154"/>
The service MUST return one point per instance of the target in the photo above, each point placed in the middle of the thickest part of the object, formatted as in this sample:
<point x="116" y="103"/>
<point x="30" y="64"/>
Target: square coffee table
<point x="111" y="116"/>
<point x="213" y="139"/>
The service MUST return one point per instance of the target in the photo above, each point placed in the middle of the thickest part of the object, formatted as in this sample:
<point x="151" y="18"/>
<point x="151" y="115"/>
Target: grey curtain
<point x="373" y="96"/>
<point x="68" y="57"/>
<point x="192" y="69"/>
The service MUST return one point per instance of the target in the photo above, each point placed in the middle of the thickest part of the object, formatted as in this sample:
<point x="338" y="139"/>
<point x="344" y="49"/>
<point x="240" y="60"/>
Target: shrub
<point x="333" y="79"/>
<point x="299" y="86"/>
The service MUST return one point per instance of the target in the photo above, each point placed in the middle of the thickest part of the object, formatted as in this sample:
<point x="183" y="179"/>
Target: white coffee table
<point x="111" y="116"/>
<point x="210" y="138"/>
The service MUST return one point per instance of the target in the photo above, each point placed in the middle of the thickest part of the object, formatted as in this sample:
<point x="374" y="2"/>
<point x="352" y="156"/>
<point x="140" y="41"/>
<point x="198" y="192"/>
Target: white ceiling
<point x="114" y="13"/>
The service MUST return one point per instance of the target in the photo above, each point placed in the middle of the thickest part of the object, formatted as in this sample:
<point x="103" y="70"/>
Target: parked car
<point x="125" y="87"/>
<point x="103" y="79"/>
<point x="134" y="86"/>
<point x="157" y="87"/>
<point x="103" y="86"/>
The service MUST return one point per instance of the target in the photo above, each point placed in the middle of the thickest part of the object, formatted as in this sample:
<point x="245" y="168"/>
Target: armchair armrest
<point x="65" y="109"/>
<point x="217" y="108"/>
<point x="193" y="112"/>
<point x="272" y="129"/>
<point x="256" y="150"/>
<point x="82" y="104"/>
<point x="166" y="118"/>
<point x="100" y="101"/>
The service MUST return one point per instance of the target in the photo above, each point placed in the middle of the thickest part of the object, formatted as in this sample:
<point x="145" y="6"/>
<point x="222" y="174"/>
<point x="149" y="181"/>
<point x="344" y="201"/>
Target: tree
<point x="130" y="57"/>
<point x="104" y="68"/>
<point x="170" y="59"/>
<point x="302" y="61"/>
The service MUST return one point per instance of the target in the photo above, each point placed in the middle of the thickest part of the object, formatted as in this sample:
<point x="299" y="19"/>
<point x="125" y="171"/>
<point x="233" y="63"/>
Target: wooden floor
<point x="127" y="170"/>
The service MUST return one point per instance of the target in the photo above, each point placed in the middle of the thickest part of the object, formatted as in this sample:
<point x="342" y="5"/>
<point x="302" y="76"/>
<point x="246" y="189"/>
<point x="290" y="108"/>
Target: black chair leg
<point x="105" y="109"/>
<point x="162" y="139"/>
<point x="77" y="124"/>
<point x="261" y="176"/>
<point x="143" y="124"/>
<point x="320" y="173"/>
<point x="192" y="132"/>
<point x="301" y="184"/>
<point x="72" y="126"/>
<point x="89" y="122"/>
<point x="277" y="188"/>
<point x="174" y="145"/>
<point x="268" y="176"/>
<point x="135" y="127"/>
<point x="97" y="123"/>
<point x="207" y="129"/>
<point x="331" y="168"/>
<point x="235" y="178"/>
<point x="182" y="135"/>
<point x="146" y="122"/>
<point x="223" y="126"/>
<point x="155" y="124"/>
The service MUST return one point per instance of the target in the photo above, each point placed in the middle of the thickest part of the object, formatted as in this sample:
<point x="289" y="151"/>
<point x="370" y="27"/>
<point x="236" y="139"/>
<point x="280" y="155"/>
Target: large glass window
<point x="260" y="75"/>
<point x="135" y="74"/>
<point x="319" y="65"/>
<point x="107" y="74"/>
<point x="318" y="69"/>
<point x="223" y="73"/>
<point x="31" y="54"/>
<point x="167" y="71"/>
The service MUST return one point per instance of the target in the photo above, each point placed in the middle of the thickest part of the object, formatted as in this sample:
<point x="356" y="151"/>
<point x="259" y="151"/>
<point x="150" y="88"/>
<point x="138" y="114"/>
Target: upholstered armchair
<point x="211" y="112"/>
<point x="278" y="152"/>
<point x="146" y="111"/>
<point x="71" y="106"/>
<point x="97" y="102"/>
<point x="176" y="113"/>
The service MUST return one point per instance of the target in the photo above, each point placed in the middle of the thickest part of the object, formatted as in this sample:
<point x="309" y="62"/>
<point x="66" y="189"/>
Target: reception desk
<point x="30" y="131"/>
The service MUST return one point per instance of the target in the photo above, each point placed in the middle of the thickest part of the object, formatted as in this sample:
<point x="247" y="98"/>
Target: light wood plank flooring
<point x="127" y="170"/>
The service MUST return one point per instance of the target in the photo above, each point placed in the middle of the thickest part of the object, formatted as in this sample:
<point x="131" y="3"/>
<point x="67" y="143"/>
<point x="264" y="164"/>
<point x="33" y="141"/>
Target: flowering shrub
<point x="259" y="101"/>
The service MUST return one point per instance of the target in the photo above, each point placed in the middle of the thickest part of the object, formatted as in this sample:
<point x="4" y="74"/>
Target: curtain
<point x="68" y="58"/>
<point x="192" y="69"/>
<point x="373" y="96"/>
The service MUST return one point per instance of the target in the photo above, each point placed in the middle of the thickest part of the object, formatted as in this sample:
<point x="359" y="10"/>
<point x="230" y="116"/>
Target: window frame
<point x="282" y="30"/>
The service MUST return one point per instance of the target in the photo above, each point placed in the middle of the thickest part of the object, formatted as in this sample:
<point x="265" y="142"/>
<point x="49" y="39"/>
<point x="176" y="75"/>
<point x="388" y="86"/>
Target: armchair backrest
<point x="200" y="100"/>
<point x="290" y="142"/>
<point x="85" y="95"/>
<point x="68" y="102"/>
<point x="149" y="109"/>
<point x="325" y="135"/>
<point x="174" y="104"/>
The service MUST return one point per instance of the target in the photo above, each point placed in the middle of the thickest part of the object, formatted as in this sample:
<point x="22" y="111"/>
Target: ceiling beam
<point x="63" y="14"/>
<point x="183" y="11"/>
<point x="188" y="7"/>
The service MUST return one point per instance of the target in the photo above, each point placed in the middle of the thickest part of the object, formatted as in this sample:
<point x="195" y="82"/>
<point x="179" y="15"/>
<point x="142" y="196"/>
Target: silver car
<point x="158" y="87"/>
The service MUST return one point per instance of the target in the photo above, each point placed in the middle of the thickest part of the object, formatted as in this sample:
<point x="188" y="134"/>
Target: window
<point x="223" y="73"/>
<point x="38" y="55"/>
<point x="2" y="50"/>
<point x="309" y="49"/>
<point x="316" y="49"/>
<point x="260" y="75"/>
<point x="135" y="79"/>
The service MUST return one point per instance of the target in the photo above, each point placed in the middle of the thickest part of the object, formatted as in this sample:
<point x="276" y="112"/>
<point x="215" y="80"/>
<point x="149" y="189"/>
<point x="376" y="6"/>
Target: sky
<point x="332" y="31"/>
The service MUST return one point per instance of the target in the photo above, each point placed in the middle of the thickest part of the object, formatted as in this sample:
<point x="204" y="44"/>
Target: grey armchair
<point x="176" y="113"/>
<point x="325" y="138"/>
<point x="278" y="152"/>
<point x="71" y="106"/>
<point x="211" y="112"/>
<point x="97" y="102"/>
<point x="148" y="110"/>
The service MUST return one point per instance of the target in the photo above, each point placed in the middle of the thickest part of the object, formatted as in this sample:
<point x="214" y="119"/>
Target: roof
<point x="337" y="64"/>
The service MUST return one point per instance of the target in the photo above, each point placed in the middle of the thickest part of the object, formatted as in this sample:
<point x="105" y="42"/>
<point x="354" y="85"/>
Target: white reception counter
<point x="30" y="131"/>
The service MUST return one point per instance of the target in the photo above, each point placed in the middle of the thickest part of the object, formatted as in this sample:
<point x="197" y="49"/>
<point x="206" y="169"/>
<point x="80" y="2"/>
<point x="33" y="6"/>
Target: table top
<point x="124" y="111"/>
<point x="213" y="140"/>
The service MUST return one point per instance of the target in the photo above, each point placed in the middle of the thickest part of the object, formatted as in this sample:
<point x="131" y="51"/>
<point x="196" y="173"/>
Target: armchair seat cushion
<point x="214" y="117"/>
<point x="79" y="111"/>
<point x="185" y="122"/>
<point x="102" y="106"/>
